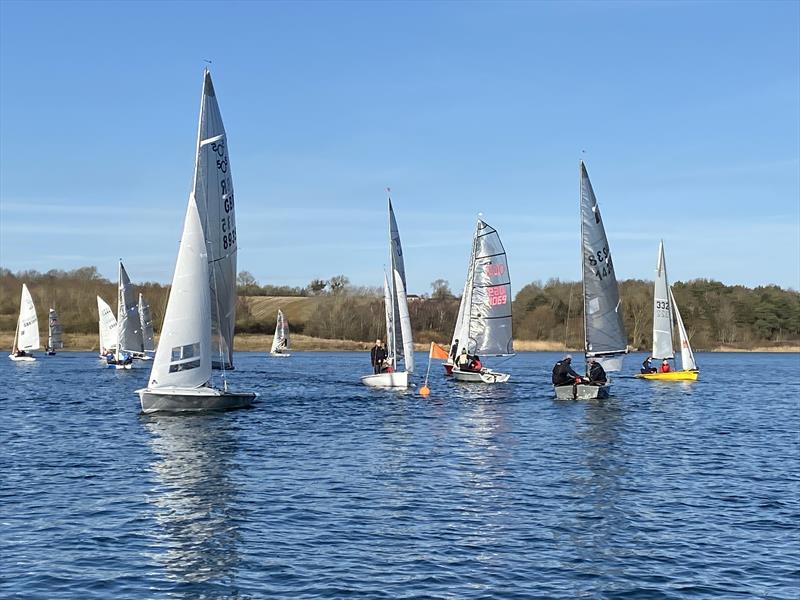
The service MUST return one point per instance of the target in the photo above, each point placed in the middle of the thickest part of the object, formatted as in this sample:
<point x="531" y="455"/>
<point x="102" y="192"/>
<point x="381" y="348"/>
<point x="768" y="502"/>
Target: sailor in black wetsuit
<point x="563" y="373"/>
<point x="597" y="374"/>
<point x="647" y="367"/>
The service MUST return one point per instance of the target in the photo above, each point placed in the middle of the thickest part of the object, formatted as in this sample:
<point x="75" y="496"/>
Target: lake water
<point x="327" y="489"/>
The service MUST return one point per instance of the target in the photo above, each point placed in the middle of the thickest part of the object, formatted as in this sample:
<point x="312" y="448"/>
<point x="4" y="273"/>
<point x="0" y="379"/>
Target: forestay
<point x="213" y="193"/>
<point x="28" y="323"/>
<point x="54" y="340"/>
<point x="108" y="326"/>
<point x="146" y="318"/>
<point x="183" y="356"/>
<point x="687" y="356"/>
<point x="129" y="325"/>
<point x="604" y="330"/>
<point x="662" y="311"/>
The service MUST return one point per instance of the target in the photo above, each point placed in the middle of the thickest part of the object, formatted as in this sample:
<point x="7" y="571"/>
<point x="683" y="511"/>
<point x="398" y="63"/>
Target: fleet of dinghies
<point x="197" y="332"/>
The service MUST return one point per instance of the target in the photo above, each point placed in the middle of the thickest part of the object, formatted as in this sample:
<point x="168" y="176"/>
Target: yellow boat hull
<point x="671" y="376"/>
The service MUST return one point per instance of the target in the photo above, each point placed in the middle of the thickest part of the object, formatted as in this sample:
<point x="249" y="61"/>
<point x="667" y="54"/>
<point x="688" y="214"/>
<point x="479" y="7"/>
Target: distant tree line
<point x="715" y="314"/>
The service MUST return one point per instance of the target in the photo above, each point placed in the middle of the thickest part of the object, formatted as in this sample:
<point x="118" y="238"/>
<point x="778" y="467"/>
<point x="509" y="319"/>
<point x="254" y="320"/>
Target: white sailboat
<point x="483" y="327"/>
<point x="130" y="342"/>
<point x="199" y="317"/>
<point x="26" y="336"/>
<point x="604" y="332"/>
<point x="280" y="341"/>
<point x="664" y="309"/>
<point x="180" y="380"/>
<point x="148" y="337"/>
<point x="212" y="190"/>
<point x="399" y="342"/>
<point x="54" y="341"/>
<point x="107" y="327"/>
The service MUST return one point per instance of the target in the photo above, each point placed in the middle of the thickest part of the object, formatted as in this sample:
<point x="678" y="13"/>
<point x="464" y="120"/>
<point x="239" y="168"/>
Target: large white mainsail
<point x="183" y="356"/>
<point x="662" y="311"/>
<point x="146" y="318"/>
<point x="280" y="340"/>
<point x="54" y="331"/>
<point x="687" y="356"/>
<point x="402" y="344"/>
<point x="108" y="326"/>
<point x="213" y="192"/>
<point x="605" y="336"/>
<point x="27" y="337"/>
<point x="484" y="325"/>
<point x="129" y="325"/>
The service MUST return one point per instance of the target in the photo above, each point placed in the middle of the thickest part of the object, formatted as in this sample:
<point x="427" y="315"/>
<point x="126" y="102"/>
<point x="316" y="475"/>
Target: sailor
<point x="647" y="367"/>
<point x="454" y="351"/>
<point x="462" y="362"/>
<point x="665" y="368"/>
<point x="377" y="355"/>
<point x="563" y="373"/>
<point x="597" y="373"/>
<point x="475" y="364"/>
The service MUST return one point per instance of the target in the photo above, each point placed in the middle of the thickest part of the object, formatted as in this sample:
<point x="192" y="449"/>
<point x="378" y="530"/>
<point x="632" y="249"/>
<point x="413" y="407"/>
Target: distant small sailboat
<point x="108" y="328"/>
<point x="399" y="342"/>
<point x="483" y="327"/>
<point x="200" y="311"/>
<point x="26" y="336"/>
<point x="664" y="308"/>
<point x="54" y="341"/>
<point x="280" y="341"/>
<point x="180" y="380"/>
<point x="129" y="327"/>
<point x="148" y="337"/>
<point x="604" y="331"/>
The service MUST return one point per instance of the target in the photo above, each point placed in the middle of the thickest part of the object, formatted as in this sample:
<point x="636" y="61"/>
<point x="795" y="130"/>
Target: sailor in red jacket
<point x="665" y="368"/>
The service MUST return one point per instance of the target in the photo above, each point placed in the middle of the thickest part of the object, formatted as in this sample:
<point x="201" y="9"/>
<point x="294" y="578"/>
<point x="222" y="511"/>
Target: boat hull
<point x="485" y="376"/>
<point x="117" y="366"/>
<point x="671" y="376"/>
<point x="448" y="368"/>
<point x="22" y="358"/>
<point x="582" y="392"/>
<point x="398" y="379"/>
<point x="279" y="354"/>
<point x="179" y="400"/>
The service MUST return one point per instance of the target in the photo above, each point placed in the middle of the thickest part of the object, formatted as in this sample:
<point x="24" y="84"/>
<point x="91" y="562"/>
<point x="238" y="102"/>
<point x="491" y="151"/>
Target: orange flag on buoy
<point x="438" y="352"/>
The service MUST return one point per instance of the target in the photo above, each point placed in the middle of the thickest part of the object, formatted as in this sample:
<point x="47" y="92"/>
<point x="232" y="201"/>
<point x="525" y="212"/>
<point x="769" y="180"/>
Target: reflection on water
<point x="198" y="533"/>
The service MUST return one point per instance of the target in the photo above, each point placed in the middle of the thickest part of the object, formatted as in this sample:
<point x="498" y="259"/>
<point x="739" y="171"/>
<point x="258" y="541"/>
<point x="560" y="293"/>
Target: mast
<point x="471" y="282"/>
<point x="16" y="331"/>
<point x="120" y="304"/>
<point x="582" y="169"/>
<point x="392" y="290"/>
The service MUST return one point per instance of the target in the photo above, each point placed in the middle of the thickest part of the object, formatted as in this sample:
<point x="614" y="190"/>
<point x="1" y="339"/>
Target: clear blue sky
<point x="689" y="114"/>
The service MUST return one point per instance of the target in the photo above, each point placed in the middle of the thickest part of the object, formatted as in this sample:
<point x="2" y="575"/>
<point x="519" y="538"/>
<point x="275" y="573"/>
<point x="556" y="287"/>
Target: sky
<point x="686" y="113"/>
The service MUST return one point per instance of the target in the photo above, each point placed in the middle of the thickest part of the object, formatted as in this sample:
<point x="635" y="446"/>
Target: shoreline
<point x="252" y="342"/>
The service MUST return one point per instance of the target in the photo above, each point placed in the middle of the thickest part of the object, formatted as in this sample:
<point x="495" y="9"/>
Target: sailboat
<point x="212" y="190"/>
<point x="129" y="326"/>
<point x="148" y="337"/>
<point x="26" y="336"/>
<point x="664" y="308"/>
<point x="107" y="326"/>
<point x="399" y="343"/>
<point x="604" y="333"/>
<point x="180" y="380"/>
<point x="54" y="332"/>
<point x="483" y="326"/>
<point x="200" y="309"/>
<point x="280" y="341"/>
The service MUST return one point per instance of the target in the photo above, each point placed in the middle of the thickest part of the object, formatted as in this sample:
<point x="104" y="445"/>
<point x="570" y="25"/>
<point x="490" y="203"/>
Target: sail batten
<point x="604" y="330"/>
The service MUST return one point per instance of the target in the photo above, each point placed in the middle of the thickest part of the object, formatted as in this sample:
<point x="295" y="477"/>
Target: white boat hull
<point x="181" y="400"/>
<point x="22" y="358"/>
<point x="127" y="367"/>
<point x="279" y="354"/>
<point x="387" y="380"/>
<point x="485" y="376"/>
<point x="582" y="392"/>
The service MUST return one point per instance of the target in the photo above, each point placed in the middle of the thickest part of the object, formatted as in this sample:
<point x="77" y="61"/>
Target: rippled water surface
<point x="327" y="489"/>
